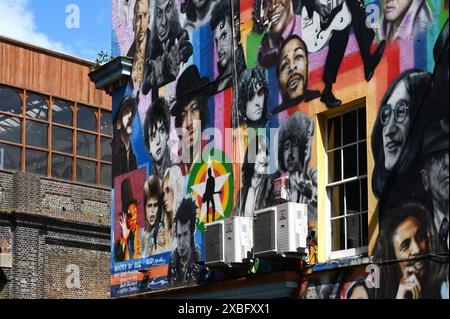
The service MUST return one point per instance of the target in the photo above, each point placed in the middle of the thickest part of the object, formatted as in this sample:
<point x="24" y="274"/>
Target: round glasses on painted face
<point x="400" y="113"/>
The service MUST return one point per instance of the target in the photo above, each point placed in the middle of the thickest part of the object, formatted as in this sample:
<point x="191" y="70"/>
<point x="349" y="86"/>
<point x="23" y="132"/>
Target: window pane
<point x="105" y="149"/>
<point x="86" y="171"/>
<point x="334" y="166"/>
<point x="10" y="129"/>
<point x="350" y="161"/>
<point x="86" y="119"/>
<point x="338" y="234"/>
<point x="334" y="132"/>
<point x="364" y="195"/>
<point x="10" y="157"/>
<point x="36" y="134"/>
<point x="37" y="107"/>
<point x="106" y="123"/>
<point x="362" y="124"/>
<point x="62" y="140"/>
<point x="337" y="200"/>
<point x="105" y="175"/>
<point x="86" y="145"/>
<point x="349" y="126"/>
<point x="10" y="101"/>
<point x="362" y="158"/>
<point x="62" y="113"/>
<point x="352" y="197"/>
<point x="62" y="167"/>
<point x="36" y="162"/>
<point x="354" y="231"/>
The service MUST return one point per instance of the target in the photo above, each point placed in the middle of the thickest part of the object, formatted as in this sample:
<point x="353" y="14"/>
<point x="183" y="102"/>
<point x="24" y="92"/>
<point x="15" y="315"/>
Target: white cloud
<point x="17" y="22"/>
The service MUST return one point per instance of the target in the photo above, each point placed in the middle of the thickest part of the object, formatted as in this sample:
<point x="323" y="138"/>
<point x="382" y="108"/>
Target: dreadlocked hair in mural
<point x="385" y="255"/>
<point x="416" y="82"/>
<point x="297" y="128"/>
<point x="158" y="111"/>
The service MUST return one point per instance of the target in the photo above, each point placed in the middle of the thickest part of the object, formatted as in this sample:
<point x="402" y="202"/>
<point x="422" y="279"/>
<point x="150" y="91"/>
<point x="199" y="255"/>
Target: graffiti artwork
<point x="229" y="99"/>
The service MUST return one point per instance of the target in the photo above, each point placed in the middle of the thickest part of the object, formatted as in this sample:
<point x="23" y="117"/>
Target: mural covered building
<point x="342" y="101"/>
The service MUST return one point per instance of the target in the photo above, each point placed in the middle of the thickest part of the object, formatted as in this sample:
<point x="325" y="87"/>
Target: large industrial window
<point x="52" y="137"/>
<point x="346" y="149"/>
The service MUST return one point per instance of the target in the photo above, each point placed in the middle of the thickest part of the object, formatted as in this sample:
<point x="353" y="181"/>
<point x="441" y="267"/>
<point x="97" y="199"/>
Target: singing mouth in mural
<point x="221" y="55"/>
<point x="276" y="18"/>
<point x="393" y="145"/>
<point x="164" y="30"/>
<point x="294" y="81"/>
<point x="158" y="151"/>
<point x="291" y="160"/>
<point x="389" y="8"/>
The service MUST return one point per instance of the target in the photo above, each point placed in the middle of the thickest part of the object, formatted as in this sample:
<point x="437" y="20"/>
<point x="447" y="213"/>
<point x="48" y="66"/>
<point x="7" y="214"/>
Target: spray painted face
<point x="184" y="239"/>
<point x="395" y="10"/>
<point x="293" y="70"/>
<point x="410" y="241"/>
<point x="255" y="104"/>
<point x="164" y="18"/>
<point x="151" y="210"/>
<point x="158" y="140"/>
<point x="395" y="120"/>
<point x="167" y="197"/>
<point x="191" y="121"/>
<point x="223" y="38"/>
<point x="141" y="20"/>
<point x="127" y="121"/>
<point x="291" y="155"/>
<point x="278" y="13"/>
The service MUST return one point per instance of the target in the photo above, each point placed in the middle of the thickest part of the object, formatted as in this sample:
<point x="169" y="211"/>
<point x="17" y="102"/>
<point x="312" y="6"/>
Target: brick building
<point x="55" y="173"/>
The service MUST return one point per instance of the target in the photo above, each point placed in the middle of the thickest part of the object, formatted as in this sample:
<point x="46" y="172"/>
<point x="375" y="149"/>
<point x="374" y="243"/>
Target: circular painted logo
<point x="211" y="184"/>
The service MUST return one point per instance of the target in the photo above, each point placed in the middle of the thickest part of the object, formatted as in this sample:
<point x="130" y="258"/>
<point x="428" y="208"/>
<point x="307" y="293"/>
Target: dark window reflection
<point x="86" y="145"/>
<point x="10" y="129"/>
<point x="10" y="101"/>
<point x="37" y="134"/>
<point x="37" y="107"/>
<point x="62" y="140"/>
<point x="86" y="119"/>
<point x="10" y="157"/>
<point x="62" y="167"/>
<point x="86" y="171"/>
<point x="106" y="123"/>
<point x="36" y="162"/>
<point x="62" y="113"/>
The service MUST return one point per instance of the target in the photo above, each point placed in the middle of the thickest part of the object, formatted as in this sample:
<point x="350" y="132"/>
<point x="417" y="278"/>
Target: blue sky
<point x="43" y="23"/>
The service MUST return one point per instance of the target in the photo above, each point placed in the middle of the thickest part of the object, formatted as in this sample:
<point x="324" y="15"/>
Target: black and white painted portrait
<point x="293" y="74"/>
<point x="198" y="12"/>
<point x="256" y="192"/>
<point x="168" y="48"/>
<point x="294" y="149"/>
<point x="156" y="136"/>
<point x="434" y="174"/>
<point x="395" y="144"/>
<point x="402" y="19"/>
<point x="124" y="158"/>
<point x="226" y="29"/>
<point x="183" y="268"/>
<point x="253" y="99"/>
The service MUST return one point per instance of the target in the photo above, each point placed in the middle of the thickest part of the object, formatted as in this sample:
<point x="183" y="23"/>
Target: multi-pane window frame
<point x="361" y="178"/>
<point x="50" y="152"/>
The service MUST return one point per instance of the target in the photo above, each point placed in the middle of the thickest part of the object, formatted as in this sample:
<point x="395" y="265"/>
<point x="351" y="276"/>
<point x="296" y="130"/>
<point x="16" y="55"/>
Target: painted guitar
<point x="316" y="33"/>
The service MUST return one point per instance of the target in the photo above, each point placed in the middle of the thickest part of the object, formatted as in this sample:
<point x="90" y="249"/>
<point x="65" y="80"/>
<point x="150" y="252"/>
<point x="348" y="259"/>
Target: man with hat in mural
<point x="191" y="114"/>
<point x="124" y="158"/>
<point x="434" y="175"/>
<point x="128" y="247"/>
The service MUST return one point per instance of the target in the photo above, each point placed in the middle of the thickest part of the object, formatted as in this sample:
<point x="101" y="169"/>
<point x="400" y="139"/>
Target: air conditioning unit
<point x="280" y="229"/>
<point x="227" y="241"/>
